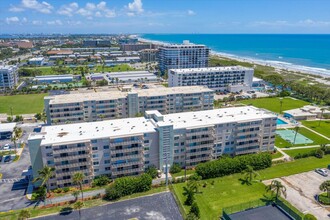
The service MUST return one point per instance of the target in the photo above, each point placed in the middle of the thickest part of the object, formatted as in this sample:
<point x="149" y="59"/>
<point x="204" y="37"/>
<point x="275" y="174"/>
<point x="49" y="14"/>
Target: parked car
<point x="7" y="147"/>
<point x="7" y="159"/>
<point x="1" y="158"/>
<point x="322" y="172"/>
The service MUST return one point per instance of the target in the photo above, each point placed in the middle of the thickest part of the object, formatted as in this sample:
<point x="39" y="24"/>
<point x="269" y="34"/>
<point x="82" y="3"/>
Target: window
<point x="106" y="154"/>
<point x="106" y="161"/>
<point x="106" y="147"/>
<point x="95" y="163"/>
<point x="94" y="148"/>
<point x="94" y="141"/>
<point x="95" y="155"/>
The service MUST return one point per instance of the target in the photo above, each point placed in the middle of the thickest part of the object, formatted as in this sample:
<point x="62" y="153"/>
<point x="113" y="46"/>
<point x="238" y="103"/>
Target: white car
<point x="322" y="172"/>
<point x="7" y="147"/>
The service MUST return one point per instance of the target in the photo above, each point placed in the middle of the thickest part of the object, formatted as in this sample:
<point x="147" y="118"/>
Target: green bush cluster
<point x="319" y="153"/>
<point x="152" y="171"/>
<point x="175" y="168"/>
<point x="226" y="166"/>
<point x="101" y="181"/>
<point x="128" y="185"/>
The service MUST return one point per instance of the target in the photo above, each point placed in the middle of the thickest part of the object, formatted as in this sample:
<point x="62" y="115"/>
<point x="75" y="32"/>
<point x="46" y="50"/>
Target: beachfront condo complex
<point x="8" y="77"/>
<point x="123" y="147"/>
<point x="94" y="106"/>
<point x="231" y="78"/>
<point x="186" y="55"/>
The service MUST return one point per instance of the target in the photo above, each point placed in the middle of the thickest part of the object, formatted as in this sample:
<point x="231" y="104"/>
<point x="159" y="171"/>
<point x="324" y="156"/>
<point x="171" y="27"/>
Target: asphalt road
<point x="160" y="206"/>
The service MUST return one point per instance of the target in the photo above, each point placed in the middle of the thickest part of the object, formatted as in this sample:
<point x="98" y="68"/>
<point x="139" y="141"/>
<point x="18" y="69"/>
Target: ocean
<point x="301" y="52"/>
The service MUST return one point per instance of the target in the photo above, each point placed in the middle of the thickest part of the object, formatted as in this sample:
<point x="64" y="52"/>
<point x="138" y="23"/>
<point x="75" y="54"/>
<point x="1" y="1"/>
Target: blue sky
<point x="164" y="16"/>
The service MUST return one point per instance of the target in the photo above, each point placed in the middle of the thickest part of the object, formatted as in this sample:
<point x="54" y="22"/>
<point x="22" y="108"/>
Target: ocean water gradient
<point x="304" y="50"/>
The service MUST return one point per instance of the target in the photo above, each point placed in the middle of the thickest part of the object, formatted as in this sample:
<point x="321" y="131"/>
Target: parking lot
<point x="13" y="184"/>
<point x="302" y="190"/>
<point x="160" y="206"/>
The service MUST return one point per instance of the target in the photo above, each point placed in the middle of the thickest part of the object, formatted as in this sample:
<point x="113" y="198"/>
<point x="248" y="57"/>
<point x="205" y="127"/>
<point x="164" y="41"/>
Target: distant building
<point x="131" y="77"/>
<point x="136" y="47"/>
<point x="49" y="79"/>
<point x="231" y="78"/>
<point x="24" y="44"/>
<point x="124" y="147"/>
<point x="8" y="77"/>
<point x="37" y="61"/>
<point x="128" y="41"/>
<point x="6" y="130"/>
<point x="88" y="107"/>
<point x="96" y="43"/>
<point x="186" y="55"/>
<point x="148" y="55"/>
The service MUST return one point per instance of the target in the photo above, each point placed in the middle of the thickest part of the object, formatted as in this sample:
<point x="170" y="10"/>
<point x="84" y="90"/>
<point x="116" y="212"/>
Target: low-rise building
<point x="6" y="130"/>
<point x="308" y="112"/>
<point x="124" y="147"/>
<point x="37" y="61"/>
<point x="87" y="107"/>
<point x="8" y="77"/>
<point x="231" y="78"/>
<point x="136" y="47"/>
<point x="148" y="55"/>
<point x="49" y="79"/>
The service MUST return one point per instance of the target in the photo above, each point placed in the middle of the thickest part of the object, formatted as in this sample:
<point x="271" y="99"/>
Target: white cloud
<point x="191" y="12"/>
<point x="89" y="11"/>
<point x="302" y="23"/>
<point x="135" y="7"/>
<point x="68" y="10"/>
<point x="74" y="23"/>
<point x="310" y="22"/>
<point x="37" y="22"/>
<point x="55" y="22"/>
<point x="42" y="7"/>
<point x="24" y="20"/>
<point x="12" y="20"/>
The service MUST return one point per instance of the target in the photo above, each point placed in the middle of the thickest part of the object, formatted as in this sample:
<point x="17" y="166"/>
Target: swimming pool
<point x="280" y="122"/>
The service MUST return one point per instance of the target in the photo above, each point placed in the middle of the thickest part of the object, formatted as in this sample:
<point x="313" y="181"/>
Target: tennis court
<point x="288" y="135"/>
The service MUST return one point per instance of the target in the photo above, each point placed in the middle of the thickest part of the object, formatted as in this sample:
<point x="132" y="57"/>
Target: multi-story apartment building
<point x="128" y="146"/>
<point x="186" y="55"/>
<point x="136" y="47"/>
<point x="8" y="77"/>
<point x="231" y="78"/>
<point x="87" y="107"/>
<point x="148" y="55"/>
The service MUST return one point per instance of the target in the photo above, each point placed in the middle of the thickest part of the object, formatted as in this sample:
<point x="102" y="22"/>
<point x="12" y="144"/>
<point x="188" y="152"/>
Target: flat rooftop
<point x="211" y="69"/>
<point x="157" y="91"/>
<point x="7" y="127"/>
<point x="78" y="132"/>
<point x="261" y="213"/>
<point x="215" y="116"/>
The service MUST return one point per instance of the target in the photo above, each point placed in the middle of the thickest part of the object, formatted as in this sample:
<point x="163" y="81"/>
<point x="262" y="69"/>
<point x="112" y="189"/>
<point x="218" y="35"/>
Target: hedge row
<point x="128" y="185"/>
<point x="226" y="166"/>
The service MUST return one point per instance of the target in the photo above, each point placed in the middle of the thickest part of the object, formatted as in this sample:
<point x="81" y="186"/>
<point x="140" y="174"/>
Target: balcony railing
<point x="78" y="156"/>
<point x="127" y="171"/>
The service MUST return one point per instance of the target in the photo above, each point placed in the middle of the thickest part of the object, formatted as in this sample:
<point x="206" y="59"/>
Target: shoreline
<point x="278" y="65"/>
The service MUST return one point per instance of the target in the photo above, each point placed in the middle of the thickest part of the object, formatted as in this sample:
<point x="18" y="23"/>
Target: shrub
<point x="195" y="209"/>
<point x="175" y="168"/>
<point x="111" y="193"/>
<point x="66" y="189"/>
<point x="58" y="190"/>
<point x="309" y="217"/>
<point x="319" y="153"/>
<point x="195" y="177"/>
<point x="152" y="171"/>
<point x="226" y="166"/>
<point x="324" y="199"/>
<point x="101" y="181"/>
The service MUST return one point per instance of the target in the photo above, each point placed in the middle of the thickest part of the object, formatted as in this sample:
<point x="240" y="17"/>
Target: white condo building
<point x="186" y="55"/>
<point x="231" y="78"/>
<point x="128" y="146"/>
<point x="8" y="77"/>
<point x="96" y="106"/>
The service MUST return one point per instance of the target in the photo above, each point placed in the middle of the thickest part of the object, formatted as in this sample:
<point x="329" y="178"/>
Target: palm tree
<point x="295" y="135"/>
<point x="17" y="134"/>
<point x="24" y="214"/>
<point x="44" y="175"/>
<point x="250" y="173"/>
<point x="78" y="179"/>
<point x="75" y="194"/>
<point x="322" y="111"/>
<point x="43" y="117"/>
<point x="277" y="187"/>
<point x="78" y="205"/>
<point x="190" y="194"/>
<point x="325" y="186"/>
<point x="281" y="104"/>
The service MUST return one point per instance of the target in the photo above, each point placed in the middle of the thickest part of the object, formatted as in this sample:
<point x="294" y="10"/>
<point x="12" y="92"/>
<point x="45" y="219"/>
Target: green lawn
<point x="324" y="127"/>
<point x="277" y="155"/>
<point x="273" y="104"/>
<point x="293" y="153"/>
<point x="317" y="139"/>
<point x="182" y="173"/>
<point x="22" y="104"/>
<point x="117" y="68"/>
<point x="229" y="191"/>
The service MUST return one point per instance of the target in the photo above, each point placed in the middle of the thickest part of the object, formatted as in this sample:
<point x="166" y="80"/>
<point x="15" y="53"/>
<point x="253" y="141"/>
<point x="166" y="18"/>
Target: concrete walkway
<point x="303" y="147"/>
<point x="285" y="156"/>
<point x="315" y="132"/>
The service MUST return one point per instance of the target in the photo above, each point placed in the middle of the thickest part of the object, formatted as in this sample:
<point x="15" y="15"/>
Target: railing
<point x="72" y="157"/>
<point x="78" y="164"/>
<point x="127" y="171"/>
<point x="71" y="149"/>
<point x="127" y="164"/>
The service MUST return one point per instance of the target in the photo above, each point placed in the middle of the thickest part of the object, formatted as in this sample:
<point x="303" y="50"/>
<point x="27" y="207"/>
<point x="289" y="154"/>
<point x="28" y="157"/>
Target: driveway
<point x="301" y="191"/>
<point x="13" y="184"/>
<point x="160" y="206"/>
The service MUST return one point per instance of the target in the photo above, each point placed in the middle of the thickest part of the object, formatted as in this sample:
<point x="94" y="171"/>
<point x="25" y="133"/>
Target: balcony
<point x="140" y="163"/>
<point x="73" y="157"/>
<point x="72" y="165"/>
<point x="199" y="159"/>
<point x="88" y="171"/>
<point x="127" y="150"/>
<point x="127" y="157"/>
<point x="124" y="143"/>
<point x="209" y="152"/>
<point x="71" y="149"/>
<point x="115" y="173"/>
